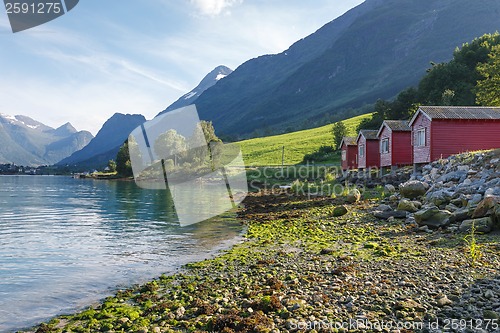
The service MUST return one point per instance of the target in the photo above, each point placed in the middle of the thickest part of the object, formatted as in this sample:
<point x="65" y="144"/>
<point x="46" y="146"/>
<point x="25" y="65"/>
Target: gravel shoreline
<point x="302" y="269"/>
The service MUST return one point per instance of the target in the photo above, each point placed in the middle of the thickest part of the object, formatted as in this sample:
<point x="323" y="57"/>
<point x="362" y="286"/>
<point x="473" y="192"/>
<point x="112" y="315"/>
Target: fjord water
<point x="66" y="243"/>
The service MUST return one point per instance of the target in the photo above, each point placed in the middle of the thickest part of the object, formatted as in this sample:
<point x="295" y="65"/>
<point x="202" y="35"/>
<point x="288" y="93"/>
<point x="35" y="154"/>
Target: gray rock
<point x="417" y="204"/>
<point x="413" y="189"/>
<point x="393" y="198"/>
<point x="407" y="205"/>
<point x="427" y="167"/>
<point x="492" y="191"/>
<point x="383" y="208"/>
<point x="410" y="220"/>
<point x="460" y="215"/>
<point x="424" y="229"/>
<point x="353" y="196"/>
<point x="459" y="200"/>
<point x="389" y="188"/>
<point x="432" y="217"/>
<point x="466" y="182"/>
<point x="494" y="182"/>
<point x="426" y="179"/>
<point x="451" y="207"/>
<point x="453" y="177"/>
<point x="484" y="224"/>
<point x="489" y="294"/>
<point x="388" y="214"/>
<point x="476" y="198"/>
<point x="441" y="197"/>
<point x="485" y="173"/>
<point x="425" y="213"/>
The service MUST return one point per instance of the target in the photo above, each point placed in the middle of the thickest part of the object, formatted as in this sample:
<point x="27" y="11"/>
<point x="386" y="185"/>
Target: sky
<point x="139" y="56"/>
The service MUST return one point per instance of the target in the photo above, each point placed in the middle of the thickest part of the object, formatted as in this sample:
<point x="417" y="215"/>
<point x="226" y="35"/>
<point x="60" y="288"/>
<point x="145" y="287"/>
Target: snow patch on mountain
<point x="190" y="95"/>
<point x="220" y="76"/>
<point x="208" y="81"/>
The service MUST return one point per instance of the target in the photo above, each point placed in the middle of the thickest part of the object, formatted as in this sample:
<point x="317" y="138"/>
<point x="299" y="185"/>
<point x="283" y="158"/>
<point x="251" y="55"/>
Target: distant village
<point x="13" y="169"/>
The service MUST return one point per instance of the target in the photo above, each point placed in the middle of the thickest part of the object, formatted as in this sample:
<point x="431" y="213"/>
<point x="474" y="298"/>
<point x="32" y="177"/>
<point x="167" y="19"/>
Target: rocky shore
<point x="331" y="265"/>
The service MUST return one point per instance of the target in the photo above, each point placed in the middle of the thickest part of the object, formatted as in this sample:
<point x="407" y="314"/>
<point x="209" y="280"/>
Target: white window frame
<point x="384" y="146"/>
<point x="344" y="155"/>
<point x="421" y="137"/>
<point x="361" y="150"/>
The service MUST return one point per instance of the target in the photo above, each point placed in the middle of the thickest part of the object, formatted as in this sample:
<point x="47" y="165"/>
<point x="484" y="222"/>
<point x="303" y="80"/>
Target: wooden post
<point x="283" y="157"/>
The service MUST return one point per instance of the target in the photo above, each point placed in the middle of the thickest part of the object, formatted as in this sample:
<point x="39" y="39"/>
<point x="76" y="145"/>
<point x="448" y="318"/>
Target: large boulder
<point x="413" y="189"/>
<point x="460" y="215"/>
<point x="407" y="206"/>
<point x="432" y="217"/>
<point x="453" y="176"/>
<point x="484" y="224"/>
<point x="441" y="197"/>
<point x="486" y="207"/>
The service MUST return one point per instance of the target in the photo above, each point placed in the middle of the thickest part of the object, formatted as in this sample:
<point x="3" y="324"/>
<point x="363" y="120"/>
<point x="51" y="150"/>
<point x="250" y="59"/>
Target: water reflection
<point x="65" y="243"/>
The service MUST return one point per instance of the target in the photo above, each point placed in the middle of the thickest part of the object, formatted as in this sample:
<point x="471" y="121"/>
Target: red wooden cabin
<point x="349" y="150"/>
<point x="395" y="143"/>
<point x="368" y="151"/>
<point x="441" y="131"/>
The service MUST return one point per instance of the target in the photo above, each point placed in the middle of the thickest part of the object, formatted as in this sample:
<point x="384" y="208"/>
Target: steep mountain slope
<point x="106" y="143"/>
<point x="268" y="150"/>
<point x="25" y="141"/>
<point x="373" y="51"/>
<point x="208" y="81"/>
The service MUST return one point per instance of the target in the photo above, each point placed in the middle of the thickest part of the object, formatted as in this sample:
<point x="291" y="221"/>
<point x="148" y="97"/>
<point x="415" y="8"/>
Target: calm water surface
<point x="65" y="243"/>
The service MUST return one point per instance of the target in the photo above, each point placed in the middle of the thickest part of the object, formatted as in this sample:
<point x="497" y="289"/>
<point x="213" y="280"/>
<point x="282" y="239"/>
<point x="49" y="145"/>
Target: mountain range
<point x="373" y="51"/>
<point x="25" y="141"/>
<point x="106" y="143"/>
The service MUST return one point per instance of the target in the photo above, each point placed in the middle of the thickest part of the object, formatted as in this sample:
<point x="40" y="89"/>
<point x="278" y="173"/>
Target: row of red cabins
<point x="434" y="132"/>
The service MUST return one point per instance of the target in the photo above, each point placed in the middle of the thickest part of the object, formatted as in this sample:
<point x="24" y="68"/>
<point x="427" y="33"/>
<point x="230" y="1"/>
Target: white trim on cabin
<point x="416" y="115"/>
<point x="361" y="150"/>
<point x="421" y="137"/>
<point x="384" y="146"/>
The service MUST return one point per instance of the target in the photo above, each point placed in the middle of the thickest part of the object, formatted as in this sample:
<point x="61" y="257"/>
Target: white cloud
<point x="214" y="7"/>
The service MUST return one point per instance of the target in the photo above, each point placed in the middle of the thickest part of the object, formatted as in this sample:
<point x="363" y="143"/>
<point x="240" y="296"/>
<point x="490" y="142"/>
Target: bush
<point x="324" y="153"/>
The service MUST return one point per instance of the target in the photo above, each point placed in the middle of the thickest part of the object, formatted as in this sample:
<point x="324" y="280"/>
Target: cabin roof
<point x="368" y="134"/>
<point x="458" y="112"/>
<point x="398" y="125"/>
<point x="395" y="126"/>
<point x="348" y="140"/>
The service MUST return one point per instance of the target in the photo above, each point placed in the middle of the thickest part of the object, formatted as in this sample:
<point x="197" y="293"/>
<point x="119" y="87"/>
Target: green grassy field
<point x="268" y="150"/>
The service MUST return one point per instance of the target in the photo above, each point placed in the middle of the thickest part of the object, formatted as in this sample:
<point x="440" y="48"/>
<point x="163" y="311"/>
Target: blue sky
<point x="139" y="56"/>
